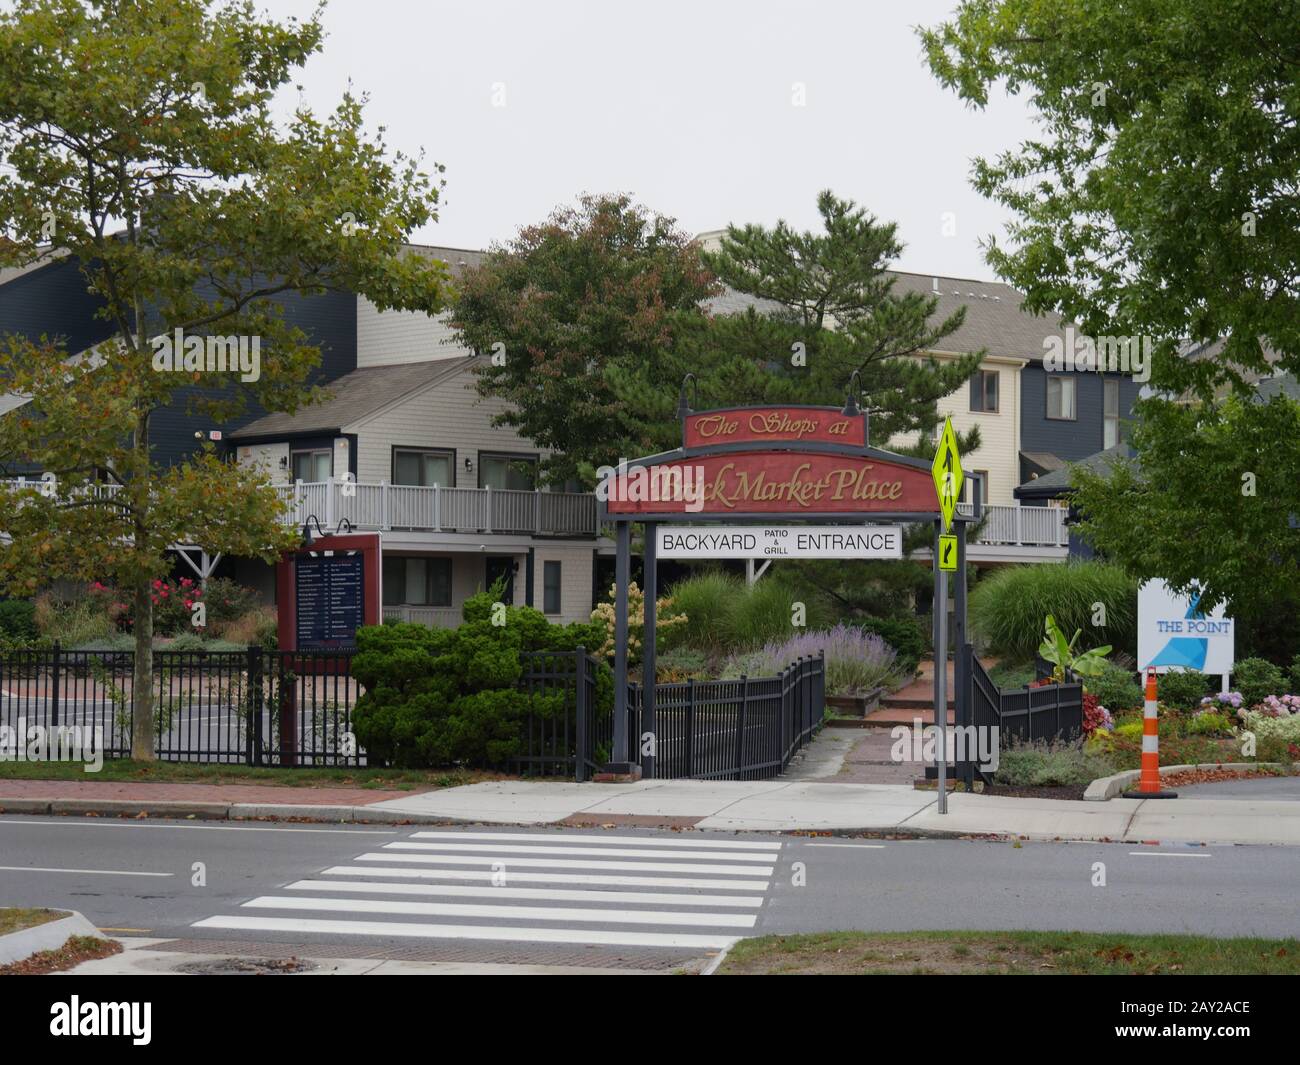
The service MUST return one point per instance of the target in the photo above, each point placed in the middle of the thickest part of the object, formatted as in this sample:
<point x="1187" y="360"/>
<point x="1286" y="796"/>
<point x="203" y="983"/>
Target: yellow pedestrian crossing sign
<point x="947" y="474"/>
<point x="948" y="553"/>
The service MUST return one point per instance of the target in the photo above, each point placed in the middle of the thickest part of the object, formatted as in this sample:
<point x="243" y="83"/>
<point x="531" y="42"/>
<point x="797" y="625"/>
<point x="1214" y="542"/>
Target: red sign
<point x="775" y="482"/>
<point x="773" y="425"/>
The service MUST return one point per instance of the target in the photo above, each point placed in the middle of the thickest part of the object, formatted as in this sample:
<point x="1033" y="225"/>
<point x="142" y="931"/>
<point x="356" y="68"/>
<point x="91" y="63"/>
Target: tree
<point x="1208" y="502"/>
<point x="1161" y="198"/>
<point x="829" y="311"/>
<point x="598" y="289"/>
<point x="138" y="138"/>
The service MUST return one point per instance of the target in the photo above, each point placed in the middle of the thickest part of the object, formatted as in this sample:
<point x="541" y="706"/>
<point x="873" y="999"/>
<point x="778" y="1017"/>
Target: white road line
<point x="591" y="837"/>
<point x="515" y="876"/>
<point x="548" y="894"/>
<point x="568" y="863"/>
<point x="852" y="846"/>
<point x="77" y="822"/>
<point x="96" y="872"/>
<point x="1169" y="854"/>
<point x="615" y="852"/>
<point x="503" y="913"/>
<point x="610" y="937"/>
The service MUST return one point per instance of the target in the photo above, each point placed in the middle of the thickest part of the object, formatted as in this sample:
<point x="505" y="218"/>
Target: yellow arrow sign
<point x="947" y="473"/>
<point x="948" y="553"/>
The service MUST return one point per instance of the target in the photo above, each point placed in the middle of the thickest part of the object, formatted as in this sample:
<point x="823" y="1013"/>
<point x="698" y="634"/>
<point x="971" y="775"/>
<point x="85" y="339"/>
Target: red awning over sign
<point x="792" y="483"/>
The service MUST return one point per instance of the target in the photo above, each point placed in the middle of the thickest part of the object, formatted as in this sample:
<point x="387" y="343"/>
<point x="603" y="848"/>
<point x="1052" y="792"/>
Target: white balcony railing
<point x="1022" y="526"/>
<point x="399" y="506"/>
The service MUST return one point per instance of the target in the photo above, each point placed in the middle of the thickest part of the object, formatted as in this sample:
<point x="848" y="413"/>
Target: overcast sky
<point x="690" y="106"/>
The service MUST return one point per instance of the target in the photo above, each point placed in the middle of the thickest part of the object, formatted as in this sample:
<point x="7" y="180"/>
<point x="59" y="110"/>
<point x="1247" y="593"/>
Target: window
<point x="417" y="581"/>
<point x="550" y="588"/>
<point x="1110" y="414"/>
<point x="984" y="392"/>
<point x="1060" y="398"/>
<point x="513" y="472"/>
<point x="424" y="468"/>
<point x="313" y="466"/>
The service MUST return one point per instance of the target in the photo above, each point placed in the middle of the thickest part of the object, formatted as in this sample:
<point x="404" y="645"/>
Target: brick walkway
<point x="228" y="793"/>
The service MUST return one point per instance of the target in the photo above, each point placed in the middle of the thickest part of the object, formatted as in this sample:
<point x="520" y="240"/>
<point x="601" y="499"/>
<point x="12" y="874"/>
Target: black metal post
<point x="54" y="692"/>
<point x="580" y="703"/>
<point x="620" y="763"/>
<point x="649" y="724"/>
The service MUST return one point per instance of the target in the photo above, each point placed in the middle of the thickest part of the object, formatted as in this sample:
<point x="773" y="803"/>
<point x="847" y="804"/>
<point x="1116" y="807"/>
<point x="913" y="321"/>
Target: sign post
<point x="947" y="483"/>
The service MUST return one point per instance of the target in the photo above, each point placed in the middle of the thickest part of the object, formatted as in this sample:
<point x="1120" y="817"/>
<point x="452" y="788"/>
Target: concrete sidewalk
<point x="738" y="806"/>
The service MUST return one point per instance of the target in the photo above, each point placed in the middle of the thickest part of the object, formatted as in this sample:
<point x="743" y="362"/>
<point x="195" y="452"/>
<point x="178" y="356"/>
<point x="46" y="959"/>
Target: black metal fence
<point x="743" y="729"/>
<point x="249" y="707"/>
<point x="287" y="708"/>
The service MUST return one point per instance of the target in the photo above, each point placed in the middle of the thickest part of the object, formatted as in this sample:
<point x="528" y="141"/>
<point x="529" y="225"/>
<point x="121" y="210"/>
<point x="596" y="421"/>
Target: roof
<point x="1282" y="385"/>
<point x="995" y="319"/>
<point x="457" y="259"/>
<point x="355" y="396"/>
<point x="1060" y="481"/>
<point x="1044" y="460"/>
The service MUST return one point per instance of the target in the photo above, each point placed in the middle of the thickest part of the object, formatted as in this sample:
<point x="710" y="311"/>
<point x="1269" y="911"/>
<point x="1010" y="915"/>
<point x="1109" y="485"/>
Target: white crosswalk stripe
<point x="632" y="891"/>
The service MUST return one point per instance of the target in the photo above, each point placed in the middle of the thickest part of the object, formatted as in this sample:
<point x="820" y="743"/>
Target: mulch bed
<point x="1213" y="776"/>
<point x="76" y="950"/>
<point x="1074" y="791"/>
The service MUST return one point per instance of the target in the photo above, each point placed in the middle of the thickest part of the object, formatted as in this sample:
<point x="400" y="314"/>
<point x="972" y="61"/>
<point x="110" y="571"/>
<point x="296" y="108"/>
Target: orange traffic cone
<point x="1149" y="782"/>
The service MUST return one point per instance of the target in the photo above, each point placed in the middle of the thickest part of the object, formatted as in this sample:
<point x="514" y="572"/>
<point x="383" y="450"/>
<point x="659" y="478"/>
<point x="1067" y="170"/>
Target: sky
<point x="693" y="108"/>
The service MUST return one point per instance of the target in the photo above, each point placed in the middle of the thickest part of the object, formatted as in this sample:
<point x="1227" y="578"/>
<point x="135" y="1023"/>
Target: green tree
<point x="138" y="138"/>
<point x="571" y="306"/>
<point x="1208" y="502"/>
<point x="1160" y="198"/>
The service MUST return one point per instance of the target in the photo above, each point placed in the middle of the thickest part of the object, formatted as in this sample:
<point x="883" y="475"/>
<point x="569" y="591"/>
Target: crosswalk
<point x="580" y="888"/>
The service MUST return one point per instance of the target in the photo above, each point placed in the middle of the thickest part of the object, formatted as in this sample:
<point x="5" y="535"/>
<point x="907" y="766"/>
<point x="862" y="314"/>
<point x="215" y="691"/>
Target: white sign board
<point x="1174" y="634"/>
<point x="783" y="541"/>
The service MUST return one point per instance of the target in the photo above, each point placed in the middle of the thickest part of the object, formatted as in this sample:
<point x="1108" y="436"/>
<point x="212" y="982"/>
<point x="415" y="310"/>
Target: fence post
<point x="690" y="727"/>
<point x="740" y="727"/>
<point x="54" y="691"/>
<point x="253" y="736"/>
<point x="580" y="702"/>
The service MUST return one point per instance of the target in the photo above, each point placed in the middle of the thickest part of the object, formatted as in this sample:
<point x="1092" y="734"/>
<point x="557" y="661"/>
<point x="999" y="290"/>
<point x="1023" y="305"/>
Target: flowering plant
<point x="1278" y="706"/>
<point x="1095" y="716"/>
<point x="1222" y="702"/>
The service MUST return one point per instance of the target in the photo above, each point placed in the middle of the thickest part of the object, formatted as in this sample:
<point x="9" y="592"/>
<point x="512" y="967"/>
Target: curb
<point x="18" y="946"/>
<point x="1105" y="788"/>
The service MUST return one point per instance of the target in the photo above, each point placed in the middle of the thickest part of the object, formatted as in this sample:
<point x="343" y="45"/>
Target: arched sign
<point x="749" y="466"/>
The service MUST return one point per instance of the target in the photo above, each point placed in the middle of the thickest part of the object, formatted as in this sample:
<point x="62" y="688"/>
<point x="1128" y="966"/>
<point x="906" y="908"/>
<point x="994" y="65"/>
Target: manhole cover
<point x="246" y="967"/>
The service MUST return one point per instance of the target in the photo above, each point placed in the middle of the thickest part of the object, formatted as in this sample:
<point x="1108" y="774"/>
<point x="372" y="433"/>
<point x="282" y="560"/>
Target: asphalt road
<point x="631" y="892"/>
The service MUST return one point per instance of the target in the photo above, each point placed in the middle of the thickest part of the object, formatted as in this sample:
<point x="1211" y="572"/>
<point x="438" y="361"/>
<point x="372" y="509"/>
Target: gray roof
<point x="1044" y="460"/>
<point x="455" y="258"/>
<point x="1060" y="481"/>
<point x="1283" y="384"/>
<point x="355" y="396"/>
<point x="995" y="319"/>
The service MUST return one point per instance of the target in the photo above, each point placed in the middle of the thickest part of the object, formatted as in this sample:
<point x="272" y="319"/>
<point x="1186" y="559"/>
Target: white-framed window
<point x="1110" y="435"/>
<point x="1060" y="399"/>
<point x="313" y="466"/>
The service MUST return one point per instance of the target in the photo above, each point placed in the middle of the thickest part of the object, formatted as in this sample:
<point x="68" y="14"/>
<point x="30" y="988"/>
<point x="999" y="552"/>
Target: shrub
<point x="1266" y="727"/>
<point x="1256" y="679"/>
<point x="1042" y="764"/>
<point x="437" y="696"/>
<point x="681" y="664"/>
<point x="1115" y="688"/>
<point x="667" y="618"/>
<point x="857" y="662"/>
<point x="228" y="601"/>
<point x="1183" y="688"/>
<point x="1294" y="675"/>
<point x="72" y="622"/>
<point x="18" y="621"/>
<point x="707" y="601"/>
<point x="764" y="612"/>
<point x="906" y="635"/>
<point x="1006" y="610"/>
<point x="1209" y="723"/>
<point x="1129" y="730"/>
<point x="256" y="627"/>
<point x="1095" y="716"/>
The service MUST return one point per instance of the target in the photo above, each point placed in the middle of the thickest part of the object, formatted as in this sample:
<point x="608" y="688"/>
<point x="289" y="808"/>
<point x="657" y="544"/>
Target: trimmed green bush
<point x="18" y="621"/>
<point x="1006" y="610"/>
<point x="434" y="697"/>
<point x="1183" y="688"/>
<point x="1115" y="688"/>
<point x="909" y="636"/>
<point x="1257" y="679"/>
<point x="707" y="600"/>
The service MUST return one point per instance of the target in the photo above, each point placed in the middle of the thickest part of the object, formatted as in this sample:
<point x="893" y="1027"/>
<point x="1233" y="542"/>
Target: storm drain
<point x="246" y="967"/>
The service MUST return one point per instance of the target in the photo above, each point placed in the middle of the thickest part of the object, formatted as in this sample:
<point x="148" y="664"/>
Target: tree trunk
<point x="142" y="727"/>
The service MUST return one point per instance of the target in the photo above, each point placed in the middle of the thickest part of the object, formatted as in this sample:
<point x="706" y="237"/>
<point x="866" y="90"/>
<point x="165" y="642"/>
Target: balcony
<point x="470" y="510"/>
<point x="1022" y="526"/>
